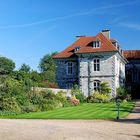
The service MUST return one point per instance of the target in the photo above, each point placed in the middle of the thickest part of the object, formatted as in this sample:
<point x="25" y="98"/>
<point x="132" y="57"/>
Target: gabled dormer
<point x="76" y="48"/>
<point x="96" y="44"/>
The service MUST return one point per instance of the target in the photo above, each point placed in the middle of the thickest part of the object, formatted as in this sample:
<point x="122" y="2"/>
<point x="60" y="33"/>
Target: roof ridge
<point x="106" y="46"/>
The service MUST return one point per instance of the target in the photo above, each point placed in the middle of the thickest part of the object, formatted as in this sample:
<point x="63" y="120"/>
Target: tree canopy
<point x="6" y="66"/>
<point x="47" y="63"/>
<point x="48" y="67"/>
<point x="25" y="68"/>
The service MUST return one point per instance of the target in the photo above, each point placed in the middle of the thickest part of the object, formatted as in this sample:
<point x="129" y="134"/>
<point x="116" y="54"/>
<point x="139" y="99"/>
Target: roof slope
<point x="132" y="54"/>
<point x="85" y="47"/>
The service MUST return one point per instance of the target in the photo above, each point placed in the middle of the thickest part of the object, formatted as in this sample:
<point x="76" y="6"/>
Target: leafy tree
<point x="6" y="66"/>
<point x="48" y="63"/>
<point x="20" y="75"/>
<point x="48" y="67"/>
<point x="24" y="77"/>
<point x="49" y="76"/>
<point x="25" y="68"/>
<point x="35" y="76"/>
<point x="14" y="88"/>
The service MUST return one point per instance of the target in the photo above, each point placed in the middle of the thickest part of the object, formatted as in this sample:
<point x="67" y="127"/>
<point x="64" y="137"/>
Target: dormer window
<point x="115" y="43"/>
<point x="96" y="44"/>
<point x="76" y="48"/>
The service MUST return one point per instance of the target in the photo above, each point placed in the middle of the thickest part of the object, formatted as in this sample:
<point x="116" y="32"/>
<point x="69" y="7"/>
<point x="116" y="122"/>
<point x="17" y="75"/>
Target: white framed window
<point x="96" y="85"/>
<point x="96" y="64"/>
<point x="76" y="48"/>
<point x="96" y="44"/>
<point x="70" y="68"/>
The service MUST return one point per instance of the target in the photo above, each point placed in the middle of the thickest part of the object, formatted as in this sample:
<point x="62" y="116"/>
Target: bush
<point x="30" y="108"/>
<point x="104" y="88"/>
<point x="75" y="90"/>
<point x="47" y="100"/>
<point x="50" y="105"/>
<point x="80" y="97"/>
<point x="61" y="96"/>
<point x="98" y="98"/>
<point x="14" y="88"/>
<point x="123" y="93"/>
<point x="101" y="96"/>
<point x="9" y="104"/>
<point x="7" y="113"/>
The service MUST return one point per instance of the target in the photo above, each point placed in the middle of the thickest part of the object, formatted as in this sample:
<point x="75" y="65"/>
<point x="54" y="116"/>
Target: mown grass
<point x="83" y="111"/>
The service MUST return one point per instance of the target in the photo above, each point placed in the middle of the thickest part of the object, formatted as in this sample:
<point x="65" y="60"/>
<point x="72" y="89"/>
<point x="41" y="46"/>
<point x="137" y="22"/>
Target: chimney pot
<point x="106" y="33"/>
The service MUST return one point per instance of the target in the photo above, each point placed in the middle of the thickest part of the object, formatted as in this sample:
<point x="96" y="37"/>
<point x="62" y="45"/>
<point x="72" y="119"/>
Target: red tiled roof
<point x="83" y="42"/>
<point x="132" y="54"/>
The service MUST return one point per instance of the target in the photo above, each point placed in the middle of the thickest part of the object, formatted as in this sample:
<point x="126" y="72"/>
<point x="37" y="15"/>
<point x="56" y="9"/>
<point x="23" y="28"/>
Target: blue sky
<point x="29" y="29"/>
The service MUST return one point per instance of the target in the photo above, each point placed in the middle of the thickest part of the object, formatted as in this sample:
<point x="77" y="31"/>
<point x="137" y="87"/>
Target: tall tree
<point x="6" y="66"/>
<point x="25" y="68"/>
<point x="48" y="67"/>
<point x="47" y="63"/>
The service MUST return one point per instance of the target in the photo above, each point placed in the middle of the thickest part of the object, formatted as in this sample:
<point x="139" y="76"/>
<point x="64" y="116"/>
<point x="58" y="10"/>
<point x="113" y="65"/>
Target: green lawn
<point x="83" y="111"/>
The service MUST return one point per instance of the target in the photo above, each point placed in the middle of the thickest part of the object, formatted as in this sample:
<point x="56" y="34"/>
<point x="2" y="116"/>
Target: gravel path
<point x="68" y="130"/>
<point x="125" y="129"/>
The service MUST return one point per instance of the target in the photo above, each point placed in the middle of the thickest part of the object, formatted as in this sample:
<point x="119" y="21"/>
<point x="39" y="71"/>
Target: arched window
<point x="96" y="85"/>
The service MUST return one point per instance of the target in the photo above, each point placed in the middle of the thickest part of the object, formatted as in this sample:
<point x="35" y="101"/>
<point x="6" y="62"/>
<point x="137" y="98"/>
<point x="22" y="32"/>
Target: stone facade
<point x="65" y="80"/>
<point x="112" y="70"/>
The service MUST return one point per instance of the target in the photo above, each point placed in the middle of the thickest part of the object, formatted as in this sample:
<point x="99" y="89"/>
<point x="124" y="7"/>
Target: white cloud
<point x="91" y="11"/>
<point x="130" y="25"/>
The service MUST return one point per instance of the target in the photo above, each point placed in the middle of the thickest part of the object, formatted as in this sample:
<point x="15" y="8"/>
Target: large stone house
<point x="89" y="61"/>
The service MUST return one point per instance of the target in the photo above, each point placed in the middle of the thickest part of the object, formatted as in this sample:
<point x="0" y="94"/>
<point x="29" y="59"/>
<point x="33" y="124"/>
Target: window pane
<point x="98" y="67"/>
<point x="94" y="67"/>
<point x="70" y="70"/>
<point x="96" y="44"/>
<point x="96" y="85"/>
<point x="96" y="64"/>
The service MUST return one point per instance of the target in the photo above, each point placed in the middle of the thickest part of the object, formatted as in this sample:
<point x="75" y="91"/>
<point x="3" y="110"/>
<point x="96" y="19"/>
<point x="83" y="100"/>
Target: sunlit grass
<point x="83" y="111"/>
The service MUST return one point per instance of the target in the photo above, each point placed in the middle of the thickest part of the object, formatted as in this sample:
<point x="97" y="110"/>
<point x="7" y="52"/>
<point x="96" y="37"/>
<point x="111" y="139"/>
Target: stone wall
<point x="54" y="90"/>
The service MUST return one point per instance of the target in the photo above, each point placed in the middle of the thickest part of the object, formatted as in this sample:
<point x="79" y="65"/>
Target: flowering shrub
<point x="98" y="98"/>
<point x="75" y="101"/>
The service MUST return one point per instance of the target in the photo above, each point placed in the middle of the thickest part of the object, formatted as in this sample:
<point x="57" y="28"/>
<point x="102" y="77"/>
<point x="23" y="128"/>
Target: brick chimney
<point x="106" y="33"/>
